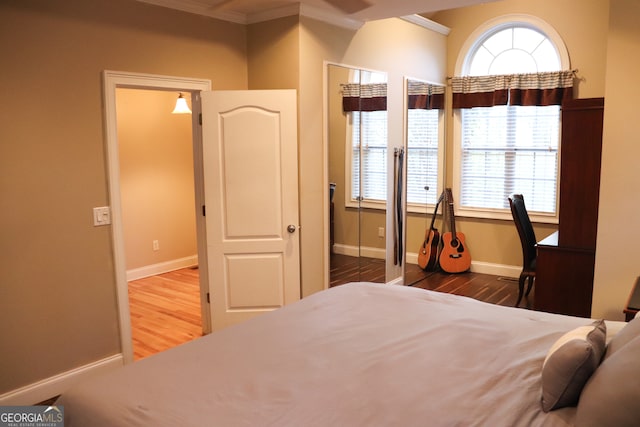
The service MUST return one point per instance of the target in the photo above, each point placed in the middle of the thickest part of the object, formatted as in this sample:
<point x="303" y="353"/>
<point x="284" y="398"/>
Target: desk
<point x="633" y="304"/>
<point x="564" y="278"/>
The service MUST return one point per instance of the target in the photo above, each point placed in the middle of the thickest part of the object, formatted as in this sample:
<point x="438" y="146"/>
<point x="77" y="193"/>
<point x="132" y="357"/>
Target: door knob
<point x="291" y="228"/>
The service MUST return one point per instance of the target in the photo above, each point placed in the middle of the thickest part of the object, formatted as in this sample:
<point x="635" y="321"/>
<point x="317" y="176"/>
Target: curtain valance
<point x="364" y="97"/>
<point x="425" y="96"/>
<point x="541" y="89"/>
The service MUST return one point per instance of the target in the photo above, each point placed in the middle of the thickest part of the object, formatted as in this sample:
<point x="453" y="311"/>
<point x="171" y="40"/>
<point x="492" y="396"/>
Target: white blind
<point x="510" y="149"/>
<point x="422" y="156"/>
<point x="369" y="155"/>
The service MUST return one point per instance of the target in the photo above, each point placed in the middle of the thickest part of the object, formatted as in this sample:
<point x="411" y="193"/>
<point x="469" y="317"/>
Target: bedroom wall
<point x="57" y="286"/>
<point x="618" y="230"/>
<point x="583" y="25"/>
<point x="273" y="54"/>
<point x="156" y="182"/>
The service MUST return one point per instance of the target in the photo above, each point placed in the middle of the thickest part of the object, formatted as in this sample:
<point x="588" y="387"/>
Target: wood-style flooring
<point x="484" y="287"/>
<point x="165" y="309"/>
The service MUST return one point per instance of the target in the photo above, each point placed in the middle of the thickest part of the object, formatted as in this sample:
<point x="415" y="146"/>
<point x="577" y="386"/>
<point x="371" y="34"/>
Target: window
<point x="369" y="156"/>
<point x="423" y="141"/>
<point x="366" y="157"/>
<point x="506" y="149"/>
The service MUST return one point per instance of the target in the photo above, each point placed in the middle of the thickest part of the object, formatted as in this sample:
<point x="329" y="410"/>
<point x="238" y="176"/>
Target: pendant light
<point x="181" y="106"/>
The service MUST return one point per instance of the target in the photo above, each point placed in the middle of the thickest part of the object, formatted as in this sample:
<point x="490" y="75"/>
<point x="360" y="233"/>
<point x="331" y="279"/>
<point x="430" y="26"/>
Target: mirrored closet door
<point x="425" y="163"/>
<point x="358" y="158"/>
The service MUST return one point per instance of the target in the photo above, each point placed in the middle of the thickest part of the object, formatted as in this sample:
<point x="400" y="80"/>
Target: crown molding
<point x="313" y="12"/>
<point x="275" y="13"/>
<point x="329" y="17"/>
<point x="198" y="9"/>
<point x="427" y="23"/>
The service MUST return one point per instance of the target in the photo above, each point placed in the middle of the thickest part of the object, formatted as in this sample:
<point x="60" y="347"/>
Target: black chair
<point x="528" y="241"/>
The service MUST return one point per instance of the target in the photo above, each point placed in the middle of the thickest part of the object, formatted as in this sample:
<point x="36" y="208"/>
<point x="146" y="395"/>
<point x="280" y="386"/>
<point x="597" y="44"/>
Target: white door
<point x="251" y="196"/>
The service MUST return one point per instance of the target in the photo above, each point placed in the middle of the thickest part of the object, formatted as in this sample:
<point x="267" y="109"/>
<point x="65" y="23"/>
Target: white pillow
<point x="569" y="363"/>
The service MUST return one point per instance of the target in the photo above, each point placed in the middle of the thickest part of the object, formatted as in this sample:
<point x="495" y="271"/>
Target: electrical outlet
<point x="380" y="231"/>
<point x="156" y="245"/>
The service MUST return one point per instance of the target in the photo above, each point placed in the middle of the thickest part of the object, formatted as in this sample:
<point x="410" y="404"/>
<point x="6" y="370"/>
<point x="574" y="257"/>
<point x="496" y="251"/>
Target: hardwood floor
<point x="165" y="311"/>
<point x="484" y="287"/>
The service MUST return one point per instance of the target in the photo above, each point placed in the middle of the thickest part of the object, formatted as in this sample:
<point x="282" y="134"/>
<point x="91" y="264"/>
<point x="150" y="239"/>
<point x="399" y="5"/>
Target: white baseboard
<point x="496" y="269"/>
<point x="396" y="281"/>
<point x="481" y="267"/>
<point x="362" y="251"/>
<point x="412" y="258"/>
<point x="163" y="267"/>
<point x="53" y="386"/>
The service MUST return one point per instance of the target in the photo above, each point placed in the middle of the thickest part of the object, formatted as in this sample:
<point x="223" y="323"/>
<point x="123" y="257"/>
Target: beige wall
<point x="57" y="284"/>
<point x="273" y="58"/>
<point x="618" y="228"/>
<point x="583" y="25"/>
<point x="156" y="178"/>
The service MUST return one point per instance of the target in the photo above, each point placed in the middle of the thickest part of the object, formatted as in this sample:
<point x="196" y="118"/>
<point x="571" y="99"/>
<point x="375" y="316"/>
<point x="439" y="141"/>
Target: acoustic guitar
<point x="455" y="256"/>
<point x="428" y="253"/>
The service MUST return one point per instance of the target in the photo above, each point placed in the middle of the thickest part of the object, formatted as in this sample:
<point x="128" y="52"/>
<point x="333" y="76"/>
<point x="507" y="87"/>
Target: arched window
<point x="506" y="149"/>
<point x="513" y="50"/>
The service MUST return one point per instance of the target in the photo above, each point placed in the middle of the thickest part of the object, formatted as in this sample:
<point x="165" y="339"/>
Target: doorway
<point x="190" y="88"/>
<point x="159" y="222"/>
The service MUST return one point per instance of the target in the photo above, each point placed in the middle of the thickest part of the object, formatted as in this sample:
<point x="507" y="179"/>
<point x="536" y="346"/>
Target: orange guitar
<point x="428" y="253"/>
<point x="455" y="256"/>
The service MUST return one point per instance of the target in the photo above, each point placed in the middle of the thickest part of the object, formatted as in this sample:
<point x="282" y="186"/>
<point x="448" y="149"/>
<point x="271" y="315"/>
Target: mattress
<point x="361" y="354"/>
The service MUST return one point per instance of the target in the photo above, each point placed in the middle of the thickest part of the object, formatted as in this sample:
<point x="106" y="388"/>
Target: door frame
<point x="113" y="80"/>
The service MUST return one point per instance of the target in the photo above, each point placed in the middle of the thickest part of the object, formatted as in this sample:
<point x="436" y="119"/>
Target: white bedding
<point x="360" y="354"/>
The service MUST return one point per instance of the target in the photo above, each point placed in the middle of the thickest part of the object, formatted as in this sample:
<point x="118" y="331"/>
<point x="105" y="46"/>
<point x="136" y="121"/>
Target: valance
<point x="425" y="96"/>
<point x="540" y="89"/>
<point x="364" y="97"/>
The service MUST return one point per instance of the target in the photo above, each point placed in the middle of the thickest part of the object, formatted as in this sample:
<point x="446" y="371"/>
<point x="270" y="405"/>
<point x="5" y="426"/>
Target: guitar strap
<point x="440" y="199"/>
<point x="400" y="203"/>
<point x="435" y="210"/>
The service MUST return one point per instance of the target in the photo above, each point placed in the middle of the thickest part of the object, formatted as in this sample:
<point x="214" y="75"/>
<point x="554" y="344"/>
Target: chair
<point x="528" y="242"/>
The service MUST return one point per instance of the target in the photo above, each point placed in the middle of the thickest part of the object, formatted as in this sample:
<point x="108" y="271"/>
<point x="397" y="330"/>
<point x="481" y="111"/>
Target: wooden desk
<point x="564" y="278"/>
<point x="633" y="303"/>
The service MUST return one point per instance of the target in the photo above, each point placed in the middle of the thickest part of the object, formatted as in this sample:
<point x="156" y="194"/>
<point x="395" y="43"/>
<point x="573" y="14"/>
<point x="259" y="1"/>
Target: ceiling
<point x="352" y="13"/>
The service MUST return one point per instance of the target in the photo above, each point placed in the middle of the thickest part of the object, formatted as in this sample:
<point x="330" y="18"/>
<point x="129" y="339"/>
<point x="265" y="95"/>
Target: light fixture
<point x="181" y="106"/>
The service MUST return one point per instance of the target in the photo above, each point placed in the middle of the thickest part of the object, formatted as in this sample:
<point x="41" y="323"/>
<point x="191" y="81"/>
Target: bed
<point x="360" y="354"/>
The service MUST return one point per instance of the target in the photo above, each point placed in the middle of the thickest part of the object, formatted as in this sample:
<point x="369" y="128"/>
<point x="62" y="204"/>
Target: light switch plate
<point x="101" y="216"/>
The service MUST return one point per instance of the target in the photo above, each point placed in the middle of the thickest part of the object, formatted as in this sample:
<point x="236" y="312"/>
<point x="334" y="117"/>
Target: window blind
<point x="369" y="155"/>
<point x="510" y="149"/>
<point x="422" y="156"/>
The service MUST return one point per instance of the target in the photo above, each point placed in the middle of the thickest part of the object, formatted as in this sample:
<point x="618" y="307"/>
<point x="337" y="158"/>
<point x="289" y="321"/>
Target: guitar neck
<point x="452" y="218"/>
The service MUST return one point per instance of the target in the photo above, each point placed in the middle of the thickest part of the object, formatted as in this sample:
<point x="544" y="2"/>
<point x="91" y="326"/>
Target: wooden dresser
<point x="564" y="270"/>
